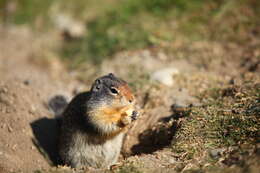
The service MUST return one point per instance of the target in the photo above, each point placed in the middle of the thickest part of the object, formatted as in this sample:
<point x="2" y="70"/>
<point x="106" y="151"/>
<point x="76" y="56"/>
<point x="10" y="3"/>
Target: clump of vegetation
<point x="229" y="117"/>
<point x="24" y="11"/>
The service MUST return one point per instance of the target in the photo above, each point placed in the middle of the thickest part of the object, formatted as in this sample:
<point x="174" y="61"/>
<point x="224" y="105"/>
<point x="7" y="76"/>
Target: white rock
<point x="165" y="76"/>
<point x="65" y="22"/>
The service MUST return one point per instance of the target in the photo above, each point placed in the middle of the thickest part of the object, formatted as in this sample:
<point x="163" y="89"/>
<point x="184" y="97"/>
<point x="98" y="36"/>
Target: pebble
<point x="67" y="23"/>
<point x="32" y="110"/>
<point x="172" y="160"/>
<point x="165" y="76"/>
<point x="215" y="153"/>
<point x="26" y="82"/>
<point x="4" y="90"/>
<point x="10" y="129"/>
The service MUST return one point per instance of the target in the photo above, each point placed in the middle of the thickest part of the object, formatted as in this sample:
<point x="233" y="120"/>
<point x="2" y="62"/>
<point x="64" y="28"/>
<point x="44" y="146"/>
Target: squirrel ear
<point x="111" y="75"/>
<point x="98" y="82"/>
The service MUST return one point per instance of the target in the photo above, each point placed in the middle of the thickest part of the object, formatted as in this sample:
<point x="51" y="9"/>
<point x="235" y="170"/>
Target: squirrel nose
<point x="130" y="101"/>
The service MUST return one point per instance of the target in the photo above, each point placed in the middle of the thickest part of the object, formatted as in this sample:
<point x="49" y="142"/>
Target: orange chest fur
<point x="114" y="115"/>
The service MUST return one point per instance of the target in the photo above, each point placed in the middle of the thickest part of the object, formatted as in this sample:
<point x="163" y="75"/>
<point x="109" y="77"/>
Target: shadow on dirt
<point x="46" y="132"/>
<point x="162" y="134"/>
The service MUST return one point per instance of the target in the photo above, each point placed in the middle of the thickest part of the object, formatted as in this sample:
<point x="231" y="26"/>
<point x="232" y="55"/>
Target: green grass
<point x="113" y="26"/>
<point x="132" y="24"/>
<point x="138" y="24"/>
<point x="229" y="117"/>
<point x="25" y="11"/>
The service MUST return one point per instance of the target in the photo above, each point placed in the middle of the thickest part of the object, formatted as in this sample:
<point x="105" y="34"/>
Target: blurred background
<point x="93" y="30"/>
<point x="192" y="64"/>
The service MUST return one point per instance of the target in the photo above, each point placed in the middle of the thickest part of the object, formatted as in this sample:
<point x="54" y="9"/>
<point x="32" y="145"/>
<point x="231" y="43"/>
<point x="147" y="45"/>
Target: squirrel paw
<point x="129" y="117"/>
<point x="126" y="120"/>
<point x="134" y="115"/>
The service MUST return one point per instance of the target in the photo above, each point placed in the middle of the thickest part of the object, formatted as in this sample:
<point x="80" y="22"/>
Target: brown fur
<point x="126" y="92"/>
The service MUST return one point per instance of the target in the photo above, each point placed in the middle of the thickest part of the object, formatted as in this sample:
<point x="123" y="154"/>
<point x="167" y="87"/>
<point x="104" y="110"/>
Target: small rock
<point x="172" y="160"/>
<point x="216" y="153"/>
<point x="165" y="76"/>
<point x="190" y="168"/>
<point x="27" y="82"/>
<point x="162" y="56"/>
<point x="4" y="90"/>
<point x="10" y="129"/>
<point x="32" y="110"/>
<point x="71" y="26"/>
<point x="8" y="110"/>
<point x="14" y="147"/>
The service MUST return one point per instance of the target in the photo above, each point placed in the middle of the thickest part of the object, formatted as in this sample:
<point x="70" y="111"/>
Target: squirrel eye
<point x="113" y="90"/>
<point x="97" y="87"/>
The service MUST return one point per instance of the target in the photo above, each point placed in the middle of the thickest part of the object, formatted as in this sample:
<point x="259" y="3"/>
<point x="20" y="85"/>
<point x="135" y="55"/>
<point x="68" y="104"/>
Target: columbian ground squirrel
<point x="94" y="124"/>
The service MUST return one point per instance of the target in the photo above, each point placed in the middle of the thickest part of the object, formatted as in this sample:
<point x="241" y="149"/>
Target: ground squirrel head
<point x="111" y="105"/>
<point x="110" y="87"/>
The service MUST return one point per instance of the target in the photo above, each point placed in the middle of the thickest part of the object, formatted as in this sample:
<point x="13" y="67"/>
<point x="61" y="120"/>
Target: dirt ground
<point x="25" y="90"/>
<point x="28" y="129"/>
